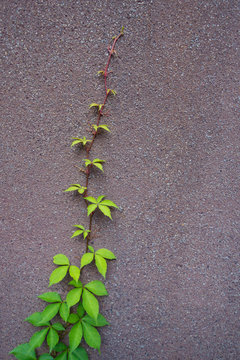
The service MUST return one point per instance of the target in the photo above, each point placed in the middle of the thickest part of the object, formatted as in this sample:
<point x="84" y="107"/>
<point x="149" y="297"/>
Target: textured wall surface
<point x="171" y="165"/>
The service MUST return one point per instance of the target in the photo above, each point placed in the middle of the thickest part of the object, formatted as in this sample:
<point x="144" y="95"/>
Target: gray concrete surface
<point x="171" y="166"/>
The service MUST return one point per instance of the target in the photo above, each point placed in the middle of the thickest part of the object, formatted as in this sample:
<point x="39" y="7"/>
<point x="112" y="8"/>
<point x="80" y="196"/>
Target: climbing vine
<point x="79" y="312"/>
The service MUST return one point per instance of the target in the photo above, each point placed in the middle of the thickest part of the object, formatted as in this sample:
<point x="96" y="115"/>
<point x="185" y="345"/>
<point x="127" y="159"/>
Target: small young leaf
<point x="91" y="336"/>
<point x="86" y="259"/>
<point x="109" y="203"/>
<point x="62" y="356"/>
<point x="45" y="356"/>
<point x="72" y="188"/>
<point x="80" y="310"/>
<point x="38" y="338"/>
<point x="90" y="304"/>
<point x="91" y="208"/>
<point x="75" y="336"/>
<point x="100" y="72"/>
<point x="91" y="199"/>
<point x="87" y="162"/>
<point x="75" y="142"/>
<point x="105" y="127"/>
<point x="60" y="259"/>
<point x="76" y="284"/>
<point x="78" y="354"/>
<point x="34" y="319"/>
<point x="80" y="227"/>
<point x="73" y="296"/>
<point x="58" y="326"/>
<point x="93" y="105"/>
<point x="64" y="311"/>
<point x="98" y="161"/>
<point x="50" y="297"/>
<point x="91" y="248"/>
<point x="97" y="288"/>
<point x="73" y="318"/>
<point x="24" y="352"/>
<point x="49" y="312"/>
<point x="101" y="321"/>
<point x="74" y="272"/>
<point x="76" y="233"/>
<point x="85" y="233"/>
<point x="105" y="210"/>
<point x="99" y="166"/>
<point x="58" y="275"/>
<point x="105" y="253"/>
<point x="52" y="339"/>
<point x="101" y="265"/>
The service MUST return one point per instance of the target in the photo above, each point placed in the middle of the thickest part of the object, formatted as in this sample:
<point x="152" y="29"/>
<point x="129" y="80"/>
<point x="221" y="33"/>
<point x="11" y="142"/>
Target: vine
<point x="79" y="312"/>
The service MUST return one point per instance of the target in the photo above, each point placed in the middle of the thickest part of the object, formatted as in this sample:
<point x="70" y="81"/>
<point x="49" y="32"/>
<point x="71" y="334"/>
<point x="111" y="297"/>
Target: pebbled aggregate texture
<point x="171" y="165"/>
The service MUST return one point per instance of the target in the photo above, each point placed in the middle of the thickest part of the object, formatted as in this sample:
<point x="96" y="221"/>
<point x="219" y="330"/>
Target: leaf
<point x="45" y="356"/>
<point x="91" y="199"/>
<point x="60" y="259"/>
<point x="87" y="162"/>
<point x="75" y="336"/>
<point x="100" y="198"/>
<point x="101" y="321"/>
<point x="24" y="352"/>
<point x="90" y="248"/>
<point x="80" y="227"/>
<point x="105" y="210"/>
<point x="80" y="310"/>
<point x="90" y="304"/>
<point x="50" y="297"/>
<point x="60" y="347"/>
<point x="73" y="296"/>
<point x="109" y="203"/>
<point x="101" y="265"/>
<point x="93" y="105"/>
<point x="105" y="253"/>
<point x="62" y="356"/>
<point x="85" y="233"/>
<point x="86" y="259"/>
<point x="38" y="338"/>
<point x="91" y="336"/>
<point x="91" y="208"/>
<point x="75" y="142"/>
<point x="82" y="190"/>
<point x="58" y="326"/>
<point x="97" y="288"/>
<point x="99" y="166"/>
<point x="73" y="318"/>
<point x="49" y="312"/>
<point x="34" y="319"/>
<point x="58" y="275"/>
<point x="76" y="233"/>
<point x="64" y="311"/>
<point x="74" y="272"/>
<point x="105" y="127"/>
<point x="100" y="72"/>
<point x="78" y="354"/>
<point x="98" y="161"/>
<point x="52" y="339"/>
<point x="76" y="284"/>
<point x="72" y="188"/>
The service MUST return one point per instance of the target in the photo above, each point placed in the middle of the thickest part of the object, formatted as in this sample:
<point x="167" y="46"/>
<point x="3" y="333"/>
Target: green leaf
<point x="101" y="321"/>
<point x="85" y="233"/>
<point x="76" y="284"/>
<point x="62" y="356"/>
<point x="78" y="354"/>
<point x="101" y="265"/>
<point x="109" y="203"/>
<point x="100" y="198"/>
<point x="105" y="210"/>
<point x="90" y="248"/>
<point x="98" y="161"/>
<point x="91" y="199"/>
<point x="75" y="336"/>
<point x="49" y="312"/>
<point x="80" y="310"/>
<point x="73" y="318"/>
<point x="80" y="227"/>
<point x="75" y="142"/>
<point x="50" y="297"/>
<point x="73" y="296"/>
<point x="64" y="311"/>
<point x="58" y="326"/>
<point x="91" y="208"/>
<point x="76" y="233"/>
<point x="100" y="72"/>
<point x="60" y="347"/>
<point x="91" y="336"/>
<point x="38" y="338"/>
<point x="52" y="339"/>
<point x="24" y="352"/>
<point x="97" y="288"/>
<point x="60" y="259"/>
<point x="86" y="259"/>
<point x="34" y="319"/>
<point x="74" y="272"/>
<point x="105" y="127"/>
<point x="72" y="188"/>
<point x="99" y="166"/>
<point x="45" y="356"/>
<point x="105" y="253"/>
<point x="87" y="162"/>
<point x="58" y="275"/>
<point x="93" y="105"/>
<point x="90" y="304"/>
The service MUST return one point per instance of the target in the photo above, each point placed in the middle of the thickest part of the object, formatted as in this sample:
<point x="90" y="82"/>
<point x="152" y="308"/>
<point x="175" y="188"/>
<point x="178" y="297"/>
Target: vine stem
<point x="111" y="51"/>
